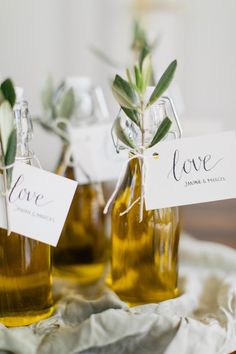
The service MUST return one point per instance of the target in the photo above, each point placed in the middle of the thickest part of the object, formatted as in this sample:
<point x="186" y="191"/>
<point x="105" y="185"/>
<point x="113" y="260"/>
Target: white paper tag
<point x="190" y="171"/>
<point x="38" y="203"/>
<point x="95" y="155"/>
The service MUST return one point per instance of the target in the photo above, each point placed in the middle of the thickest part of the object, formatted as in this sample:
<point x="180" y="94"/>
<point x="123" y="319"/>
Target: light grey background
<point x="53" y="36"/>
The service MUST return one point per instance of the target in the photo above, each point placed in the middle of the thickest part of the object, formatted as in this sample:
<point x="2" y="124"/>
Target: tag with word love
<point x="190" y="171"/>
<point x="38" y="203"/>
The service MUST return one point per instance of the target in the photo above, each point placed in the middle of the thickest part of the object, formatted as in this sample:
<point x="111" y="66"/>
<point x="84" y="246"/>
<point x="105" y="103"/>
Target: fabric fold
<point x="201" y="320"/>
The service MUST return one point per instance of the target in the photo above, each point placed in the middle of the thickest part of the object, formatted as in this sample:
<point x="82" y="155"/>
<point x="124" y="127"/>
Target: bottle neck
<point x="133" y="173"/>
<point x="23" y="151"/>
<point x="134" y="165"/>
<point x="24" y="131"/>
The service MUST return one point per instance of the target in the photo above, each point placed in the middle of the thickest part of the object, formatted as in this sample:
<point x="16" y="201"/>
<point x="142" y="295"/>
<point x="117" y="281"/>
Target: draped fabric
<point x="201" y="320"/>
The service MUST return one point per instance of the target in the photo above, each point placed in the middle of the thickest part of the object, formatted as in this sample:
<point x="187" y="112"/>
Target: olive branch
<point x="8" y="134"/>
<point x="130" y="94"/>
<point x="57" y="102"/>
<point x="8" y="139"/>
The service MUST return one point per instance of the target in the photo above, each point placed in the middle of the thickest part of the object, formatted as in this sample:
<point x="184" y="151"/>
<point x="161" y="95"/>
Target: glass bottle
<point x="25" y="264"/>
<point x="144" y="253"/>
<point x="82" y="251"/>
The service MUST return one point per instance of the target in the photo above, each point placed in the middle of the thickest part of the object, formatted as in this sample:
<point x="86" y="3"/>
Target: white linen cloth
<point x="200" y="321"/>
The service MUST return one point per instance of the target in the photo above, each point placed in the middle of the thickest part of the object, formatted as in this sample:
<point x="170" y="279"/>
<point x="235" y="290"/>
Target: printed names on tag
<point x="38" y="203"/>
<point x="190" y="171"/>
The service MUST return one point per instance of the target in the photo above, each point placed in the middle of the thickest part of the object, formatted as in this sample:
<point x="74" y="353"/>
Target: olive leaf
<point x="146" y="70"/>
<point x="7" y="124"/>
<point x="11" y="155"/>
<point x="163" y="83"/>
<point x="8" y="91"/>
<point x="47" y="94"/>
<point x="129" y="76"/>
<point x="138" y="78"/>
<point x="11" y="148"/>
<point x="8" y="137"/>
<point x="161" y="132"/>
<point x="2" y="98"/>
<point x="140" y="39"/>
<point x="105" y="58"/>
<point x="144" y="52"/>
<point x="124" y="93"/>
<point x="121" y="135"/>
<point x="132" y="114"/>
<point x="67" y="104"/>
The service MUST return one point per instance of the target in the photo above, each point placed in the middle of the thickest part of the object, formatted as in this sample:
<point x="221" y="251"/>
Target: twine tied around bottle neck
<point x="5" y="192"/>
<point x="68" y="160"/>
<point x="141" y="157"/>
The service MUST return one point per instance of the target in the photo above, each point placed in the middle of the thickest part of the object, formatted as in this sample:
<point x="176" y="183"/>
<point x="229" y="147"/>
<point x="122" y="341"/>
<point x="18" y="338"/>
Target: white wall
<point x="206" y="33"/>
<point x="41" y="37"/>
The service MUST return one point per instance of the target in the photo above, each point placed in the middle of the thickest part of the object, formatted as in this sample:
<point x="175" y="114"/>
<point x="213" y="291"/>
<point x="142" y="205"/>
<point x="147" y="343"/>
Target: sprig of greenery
<point x="105" y="58"/>
<point x="8" y="92"/>
<point x="124" y="138"/>
<point x="141" y="46"/>
<point x="57" y="102"/>
<point x="131" y="98"/>
<point x="8" y="134"/>
<point x="161" y="132"/>
<point x="66" y="104"/>
<point x="163" y="83"/>
<point x="125" y="93"/>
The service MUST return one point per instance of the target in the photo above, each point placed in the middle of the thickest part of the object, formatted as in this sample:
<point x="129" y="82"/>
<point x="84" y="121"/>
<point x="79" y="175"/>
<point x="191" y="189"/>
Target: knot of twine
<point x="136" y="155"/>
<point x="68" y="160"/>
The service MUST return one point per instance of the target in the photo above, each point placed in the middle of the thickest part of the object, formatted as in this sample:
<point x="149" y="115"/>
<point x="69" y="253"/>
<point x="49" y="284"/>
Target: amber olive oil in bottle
<point x="144" y="254"/>
<point x="144" y="266"/>
<point x="25" y="264"/>
<point x="81" y="254"/>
